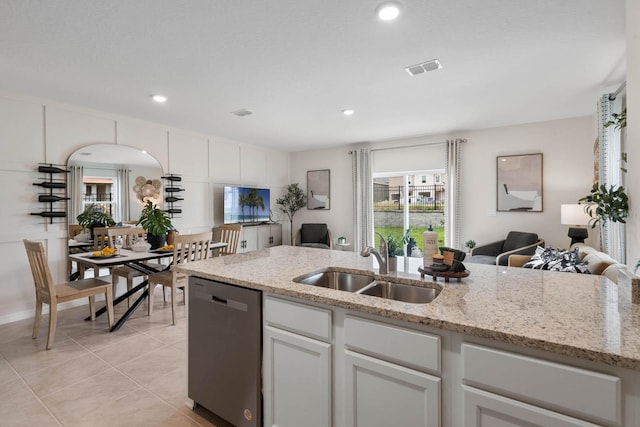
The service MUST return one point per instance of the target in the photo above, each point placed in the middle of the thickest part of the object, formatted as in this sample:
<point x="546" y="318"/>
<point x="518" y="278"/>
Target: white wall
<point x="35" y="130"/>
<point x="567" y="147"/>
<point x="633" y="131"/>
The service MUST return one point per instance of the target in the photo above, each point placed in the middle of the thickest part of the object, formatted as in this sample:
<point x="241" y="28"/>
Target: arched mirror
<point x="115" y="179"/>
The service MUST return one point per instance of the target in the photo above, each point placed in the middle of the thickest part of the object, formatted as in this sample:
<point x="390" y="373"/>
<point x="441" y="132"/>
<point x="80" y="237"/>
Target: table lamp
<point x="575" y="215"/>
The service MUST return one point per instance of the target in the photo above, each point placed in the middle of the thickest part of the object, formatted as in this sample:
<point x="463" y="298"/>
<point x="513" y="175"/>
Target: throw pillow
<point x="557" y="260"/>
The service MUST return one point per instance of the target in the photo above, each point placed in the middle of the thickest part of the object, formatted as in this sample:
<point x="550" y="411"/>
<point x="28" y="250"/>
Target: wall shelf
<point x="54" y="186"/>
<point x="172" y="196"/>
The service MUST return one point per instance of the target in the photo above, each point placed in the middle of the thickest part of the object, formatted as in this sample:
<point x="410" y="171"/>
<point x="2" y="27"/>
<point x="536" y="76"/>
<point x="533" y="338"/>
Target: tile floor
<point x="136" y="376"/>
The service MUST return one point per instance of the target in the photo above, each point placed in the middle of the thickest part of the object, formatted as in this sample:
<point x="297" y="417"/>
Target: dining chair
<point x="127" y="237"/>
<point x="186" y="248"/>
<point x="229" y="234"/>
<point x="74" y="230"/>
<point x="47" y="292"/>
<point x="100" y="241"/>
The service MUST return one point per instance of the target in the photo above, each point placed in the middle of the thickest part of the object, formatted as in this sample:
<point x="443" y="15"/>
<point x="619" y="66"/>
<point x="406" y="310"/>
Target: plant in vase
<point x="470" y="244"/>
<point x="92" y="217"/>
<point x="156" y="223"/>
<point x="606" y="204"/>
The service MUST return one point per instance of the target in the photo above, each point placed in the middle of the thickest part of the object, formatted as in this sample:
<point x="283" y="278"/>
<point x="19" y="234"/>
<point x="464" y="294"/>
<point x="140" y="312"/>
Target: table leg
<point x="121" y="298"/>
<point x="130" y="311"/>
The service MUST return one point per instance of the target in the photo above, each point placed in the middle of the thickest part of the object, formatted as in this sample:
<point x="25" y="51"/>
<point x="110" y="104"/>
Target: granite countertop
<point x="583" y="316"/>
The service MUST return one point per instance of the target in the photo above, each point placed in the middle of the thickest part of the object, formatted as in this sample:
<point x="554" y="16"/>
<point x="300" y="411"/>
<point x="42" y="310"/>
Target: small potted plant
<point x="92" y="217"/>
<point x="470" y="244"/>
<point x="394" y="248"/>
<point x="156" y="223"/>
<point x="606" y="204"/>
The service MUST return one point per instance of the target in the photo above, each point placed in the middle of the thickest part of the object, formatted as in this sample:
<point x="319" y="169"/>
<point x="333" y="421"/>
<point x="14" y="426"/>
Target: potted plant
<point x="470" y="244"/>
<point x="92" y="217"/>
<point x="156" y="223"/>
<point x="292" y="202"/>
<point x="606" y="204"/>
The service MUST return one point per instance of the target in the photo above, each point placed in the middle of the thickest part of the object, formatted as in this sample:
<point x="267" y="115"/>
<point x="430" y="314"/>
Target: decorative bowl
<point x="140" y="246"/>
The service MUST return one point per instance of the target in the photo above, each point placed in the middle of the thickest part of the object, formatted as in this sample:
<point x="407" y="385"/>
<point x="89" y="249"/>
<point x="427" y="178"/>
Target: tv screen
<point x="244" y="204"/>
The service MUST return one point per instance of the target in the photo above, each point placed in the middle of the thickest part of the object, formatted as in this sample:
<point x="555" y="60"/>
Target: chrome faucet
<point x="382" y="258"/>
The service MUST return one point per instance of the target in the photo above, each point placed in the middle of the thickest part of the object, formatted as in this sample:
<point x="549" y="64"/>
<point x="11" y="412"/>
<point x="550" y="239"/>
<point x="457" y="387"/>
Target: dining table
<point x="136" y="261"/>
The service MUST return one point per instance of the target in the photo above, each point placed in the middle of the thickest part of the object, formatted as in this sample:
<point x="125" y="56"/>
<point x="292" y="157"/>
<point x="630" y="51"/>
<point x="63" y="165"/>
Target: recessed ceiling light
<point x="348" y="112"/>
<point x="242" y="112"/>
<point x="160" y="99"/>
<point x="388" y="11"/>
<point x="143" y="151"/>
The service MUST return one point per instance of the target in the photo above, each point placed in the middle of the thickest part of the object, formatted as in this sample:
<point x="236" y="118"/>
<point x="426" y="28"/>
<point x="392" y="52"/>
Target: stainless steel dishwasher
<point x="225" y="350"/>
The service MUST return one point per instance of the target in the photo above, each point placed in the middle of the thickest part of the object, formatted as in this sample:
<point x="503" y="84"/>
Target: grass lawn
<point x="416" y="233"/>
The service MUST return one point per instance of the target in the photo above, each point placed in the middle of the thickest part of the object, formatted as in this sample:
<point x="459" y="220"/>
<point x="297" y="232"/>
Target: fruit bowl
<point x="140" y="246"/>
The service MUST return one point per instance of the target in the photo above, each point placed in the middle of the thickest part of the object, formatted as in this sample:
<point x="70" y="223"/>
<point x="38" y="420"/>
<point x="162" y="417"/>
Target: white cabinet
<point x="297" y="372"/>
<point x="526" y="388"/>
<point x="384" y="394"/>
<point x="254" y="237"/>
<point x="385" y="375"/>
<point x="270" y="235"/>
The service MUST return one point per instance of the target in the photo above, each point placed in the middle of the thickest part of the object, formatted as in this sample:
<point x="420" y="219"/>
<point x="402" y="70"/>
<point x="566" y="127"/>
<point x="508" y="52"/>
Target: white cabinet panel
<point x="398" y="345"/>
<point x="483" y="409"/>
<point x="560" y="387"/>
<point x="384" y="394"/>
<point x="248" y="239"/>
<point x="297" y="380"/>
<point x="269" y="235"/>
<point x="298" y="318"/>
<point x="253" y="163"/>
<point x="226" y="162"/>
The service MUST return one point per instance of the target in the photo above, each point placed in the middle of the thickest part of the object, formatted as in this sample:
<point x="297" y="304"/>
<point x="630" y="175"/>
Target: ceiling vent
<point x="422" y="68"/>
<point x="242" y="112"/>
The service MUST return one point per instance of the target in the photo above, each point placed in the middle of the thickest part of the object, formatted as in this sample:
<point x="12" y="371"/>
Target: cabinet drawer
<point x="405" y="347"/>
<point x="302" y="319"/>
<point x="575" y="391"/>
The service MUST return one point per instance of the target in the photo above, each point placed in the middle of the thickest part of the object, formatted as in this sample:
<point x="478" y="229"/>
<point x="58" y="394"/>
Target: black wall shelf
<point x="172" y="196"/>
<point x="54" y="191"/>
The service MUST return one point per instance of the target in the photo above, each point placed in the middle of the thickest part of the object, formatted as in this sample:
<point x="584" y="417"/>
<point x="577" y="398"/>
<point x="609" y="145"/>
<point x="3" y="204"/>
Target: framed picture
<point x="519" y="181"/>
<point x="318" y="189"/>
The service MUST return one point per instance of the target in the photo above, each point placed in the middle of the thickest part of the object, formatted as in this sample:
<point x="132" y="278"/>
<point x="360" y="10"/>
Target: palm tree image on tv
<point x="246" y="204"/>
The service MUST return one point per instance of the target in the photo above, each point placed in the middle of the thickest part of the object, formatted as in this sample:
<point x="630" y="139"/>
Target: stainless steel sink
<point x="401" y="292"/>
<point x="343" y="281"/>
<point x="367" y="284"/>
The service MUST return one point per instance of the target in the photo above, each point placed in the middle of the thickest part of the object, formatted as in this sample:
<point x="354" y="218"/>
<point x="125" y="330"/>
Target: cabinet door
<point x="248" y="239"/>
<point x="297" y="380"/>
<point x="276" y="235"/>
<point x="264" y="236"/>
<point x="380" y="393"/>
<point x="483" y="409"/>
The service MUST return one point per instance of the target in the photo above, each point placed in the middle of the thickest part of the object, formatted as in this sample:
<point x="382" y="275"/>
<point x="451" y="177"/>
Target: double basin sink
<point x="366" y="284"/>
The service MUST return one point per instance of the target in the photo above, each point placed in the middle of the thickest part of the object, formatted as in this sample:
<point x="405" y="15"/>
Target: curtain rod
<point x="612" y="96"/>
<point x="408" y="146"/>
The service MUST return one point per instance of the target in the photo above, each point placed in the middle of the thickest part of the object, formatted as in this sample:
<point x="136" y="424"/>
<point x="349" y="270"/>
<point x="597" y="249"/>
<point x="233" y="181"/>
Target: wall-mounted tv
<point x="246" y="205"/>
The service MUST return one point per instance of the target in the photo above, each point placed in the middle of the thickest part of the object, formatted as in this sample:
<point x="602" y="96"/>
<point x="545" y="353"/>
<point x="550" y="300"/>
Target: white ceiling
<point x="297" y="63"/>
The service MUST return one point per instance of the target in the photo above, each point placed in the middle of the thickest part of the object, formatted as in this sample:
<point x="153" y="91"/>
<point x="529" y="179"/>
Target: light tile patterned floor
<point x="136" y="376"/>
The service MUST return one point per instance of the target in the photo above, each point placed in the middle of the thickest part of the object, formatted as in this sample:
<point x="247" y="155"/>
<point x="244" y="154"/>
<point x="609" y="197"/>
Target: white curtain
<point x="612" y="234"/>
<point x="362" y="197"/>
<point x="452" y="193"/>
<point x="75" y="193"/>
<point x="124" y="206"/>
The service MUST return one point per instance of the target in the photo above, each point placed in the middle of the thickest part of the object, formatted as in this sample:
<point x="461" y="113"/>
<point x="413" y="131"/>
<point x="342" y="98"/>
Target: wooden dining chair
<point x="186" y="248"/>
<point x="128" y="236"/>
<point x="47" y="292"/>
<point x="229" y="234"/>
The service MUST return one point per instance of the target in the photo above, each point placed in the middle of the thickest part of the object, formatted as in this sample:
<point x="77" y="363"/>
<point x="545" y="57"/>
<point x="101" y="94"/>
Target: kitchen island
<point x="528" y="345"/>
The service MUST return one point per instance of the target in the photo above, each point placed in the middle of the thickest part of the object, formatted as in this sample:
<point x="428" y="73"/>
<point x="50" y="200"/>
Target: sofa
<point x="596" y="262"/>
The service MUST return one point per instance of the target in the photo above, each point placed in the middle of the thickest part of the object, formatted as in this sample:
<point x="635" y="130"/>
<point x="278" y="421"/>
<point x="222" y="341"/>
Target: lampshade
<point x="574" y="215"/>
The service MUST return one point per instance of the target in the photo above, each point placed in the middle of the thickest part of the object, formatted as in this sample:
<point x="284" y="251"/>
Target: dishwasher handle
<point x="236" y="305"/>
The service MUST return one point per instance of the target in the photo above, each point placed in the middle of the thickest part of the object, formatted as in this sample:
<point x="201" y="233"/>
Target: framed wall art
<point x="519" y="183"/>
<point x="319" y="189"/>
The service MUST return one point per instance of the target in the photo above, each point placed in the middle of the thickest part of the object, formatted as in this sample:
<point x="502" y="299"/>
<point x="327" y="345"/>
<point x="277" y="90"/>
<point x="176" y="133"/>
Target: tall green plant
<point x="606" y="204"/>
<point x="292" y="202"/>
